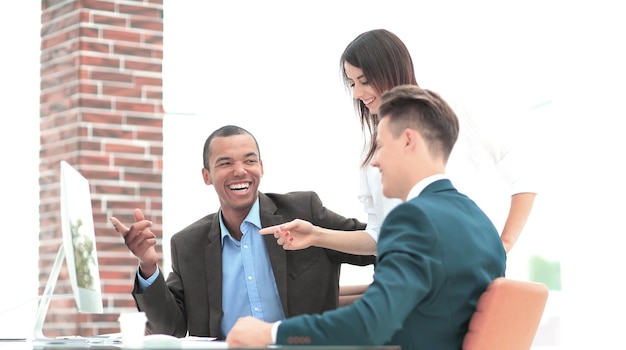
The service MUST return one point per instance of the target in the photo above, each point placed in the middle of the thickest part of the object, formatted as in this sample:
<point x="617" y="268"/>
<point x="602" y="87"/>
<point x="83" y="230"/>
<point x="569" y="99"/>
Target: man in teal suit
<point x="437" y="252"/>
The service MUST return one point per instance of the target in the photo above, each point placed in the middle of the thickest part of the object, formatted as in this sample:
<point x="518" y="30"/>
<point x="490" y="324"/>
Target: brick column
<point x="101" y="111"/>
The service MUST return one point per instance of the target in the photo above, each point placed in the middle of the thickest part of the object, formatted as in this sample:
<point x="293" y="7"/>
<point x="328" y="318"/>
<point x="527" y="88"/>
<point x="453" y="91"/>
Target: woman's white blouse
<point x="376" y="205"/>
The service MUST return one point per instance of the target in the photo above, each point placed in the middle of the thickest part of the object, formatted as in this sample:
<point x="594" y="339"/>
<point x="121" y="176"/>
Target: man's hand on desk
<point x="250" y="331"/>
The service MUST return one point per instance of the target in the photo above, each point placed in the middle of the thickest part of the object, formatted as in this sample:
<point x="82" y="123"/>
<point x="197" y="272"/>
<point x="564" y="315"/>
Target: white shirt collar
<point x="420" y="186"/>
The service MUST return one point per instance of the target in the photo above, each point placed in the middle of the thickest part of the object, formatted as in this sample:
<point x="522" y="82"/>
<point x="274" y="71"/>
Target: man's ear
<point x="413" y="140"/>
<point x="409" y="138"/>
<point x="261" y="164"/>
<point x="206" y="176"/>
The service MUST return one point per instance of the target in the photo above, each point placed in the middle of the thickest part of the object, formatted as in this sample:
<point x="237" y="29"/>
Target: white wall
<point x="19" y="154"/>
<point x="272" y="67"/>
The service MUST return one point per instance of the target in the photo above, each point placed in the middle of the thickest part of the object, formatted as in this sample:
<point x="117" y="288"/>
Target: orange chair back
<point x="507" y="316"/>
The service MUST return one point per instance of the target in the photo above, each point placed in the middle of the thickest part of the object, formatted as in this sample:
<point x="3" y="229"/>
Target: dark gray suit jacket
<point x="307" y="280"/>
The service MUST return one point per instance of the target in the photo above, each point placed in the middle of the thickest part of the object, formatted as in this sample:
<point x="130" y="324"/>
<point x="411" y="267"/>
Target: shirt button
<point x="249" y="278"/>
<point x="256" y="309"/>
<point x="245" y="246"/>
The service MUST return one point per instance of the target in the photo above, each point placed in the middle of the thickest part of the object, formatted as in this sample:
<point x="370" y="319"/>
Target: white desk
<point x="60" y="344"/>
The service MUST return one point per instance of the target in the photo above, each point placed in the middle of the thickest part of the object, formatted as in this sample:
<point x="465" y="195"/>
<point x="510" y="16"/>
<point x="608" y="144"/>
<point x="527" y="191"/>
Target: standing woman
<point x="373" y="63"/>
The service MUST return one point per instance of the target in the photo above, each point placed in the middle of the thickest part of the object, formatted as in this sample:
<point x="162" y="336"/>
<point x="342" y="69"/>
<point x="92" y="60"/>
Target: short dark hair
<point x="224" y="131"/>
<point x="409" y="106"/>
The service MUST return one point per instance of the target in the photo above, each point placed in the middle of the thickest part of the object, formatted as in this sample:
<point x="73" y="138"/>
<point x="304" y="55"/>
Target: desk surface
<point x="56" y="345"/>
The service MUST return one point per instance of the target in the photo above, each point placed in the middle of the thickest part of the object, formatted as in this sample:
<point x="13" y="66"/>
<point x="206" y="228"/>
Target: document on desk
<point x="189" y="342"/>
<point x="111" y="338"/>
<point x="192" y="342"/>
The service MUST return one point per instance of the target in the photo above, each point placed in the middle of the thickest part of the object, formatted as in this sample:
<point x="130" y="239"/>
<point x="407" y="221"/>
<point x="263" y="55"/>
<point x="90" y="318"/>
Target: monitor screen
<point x="79" y="240"/>
<point x="78" y="249"/>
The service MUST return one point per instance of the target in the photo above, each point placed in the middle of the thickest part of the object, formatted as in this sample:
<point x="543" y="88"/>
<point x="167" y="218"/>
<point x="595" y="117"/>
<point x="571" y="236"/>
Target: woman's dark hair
<point x="386" y="63"/>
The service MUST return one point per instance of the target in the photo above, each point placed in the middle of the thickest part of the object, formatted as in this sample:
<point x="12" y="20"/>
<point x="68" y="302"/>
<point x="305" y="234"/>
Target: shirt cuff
<point x="145" y="283"/>
<point x="275" y="331"/>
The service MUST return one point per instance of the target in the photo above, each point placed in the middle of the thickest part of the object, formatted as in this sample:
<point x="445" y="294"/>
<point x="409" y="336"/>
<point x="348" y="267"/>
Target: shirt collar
<point x="253" y="217"/>
<point x="420" y="186"/>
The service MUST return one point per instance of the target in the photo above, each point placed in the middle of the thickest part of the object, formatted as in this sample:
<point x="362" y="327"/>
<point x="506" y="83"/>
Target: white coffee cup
<point x="133" y="329"/>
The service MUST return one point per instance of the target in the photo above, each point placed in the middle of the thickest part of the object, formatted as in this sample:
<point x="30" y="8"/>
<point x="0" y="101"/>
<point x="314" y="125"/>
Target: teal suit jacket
<point x="436" y="255"/>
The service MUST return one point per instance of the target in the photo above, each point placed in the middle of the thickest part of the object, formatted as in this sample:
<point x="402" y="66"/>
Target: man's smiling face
<point x="235" y="170"/>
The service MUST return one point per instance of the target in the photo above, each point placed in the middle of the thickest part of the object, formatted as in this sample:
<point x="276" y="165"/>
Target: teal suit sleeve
<point x="406" y="271"/>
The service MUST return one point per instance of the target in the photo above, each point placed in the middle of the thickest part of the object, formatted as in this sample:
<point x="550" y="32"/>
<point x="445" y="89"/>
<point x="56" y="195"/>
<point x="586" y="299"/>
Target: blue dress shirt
<point x="249" y="287"/>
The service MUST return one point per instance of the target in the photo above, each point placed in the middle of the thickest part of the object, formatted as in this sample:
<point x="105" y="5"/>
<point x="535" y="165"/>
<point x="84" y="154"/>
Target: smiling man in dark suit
<point x="222" y="268"/>
<point x="436" y="254"/>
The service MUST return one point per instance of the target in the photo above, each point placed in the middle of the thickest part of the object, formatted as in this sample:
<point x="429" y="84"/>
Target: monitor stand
<point x="44" y="303"/>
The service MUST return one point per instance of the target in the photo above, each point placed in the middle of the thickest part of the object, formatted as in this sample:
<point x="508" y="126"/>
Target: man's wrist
<point x="147" y="270"/>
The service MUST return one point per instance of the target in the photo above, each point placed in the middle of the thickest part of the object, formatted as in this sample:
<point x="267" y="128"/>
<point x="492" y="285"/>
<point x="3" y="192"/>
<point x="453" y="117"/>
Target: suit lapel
<point x="278" y="256"/>
<point x="213" y="268"/>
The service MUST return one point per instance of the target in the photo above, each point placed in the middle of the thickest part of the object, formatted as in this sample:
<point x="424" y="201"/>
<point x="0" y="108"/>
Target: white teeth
<point x="240" y="186"/>
<point x="368" y="101"/>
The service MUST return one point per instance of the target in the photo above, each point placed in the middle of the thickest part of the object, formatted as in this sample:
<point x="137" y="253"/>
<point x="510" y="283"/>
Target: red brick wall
<point x="101" y="111"/>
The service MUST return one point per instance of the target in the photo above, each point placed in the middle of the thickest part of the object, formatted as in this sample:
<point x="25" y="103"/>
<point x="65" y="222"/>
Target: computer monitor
<point x="78" y="249"/>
